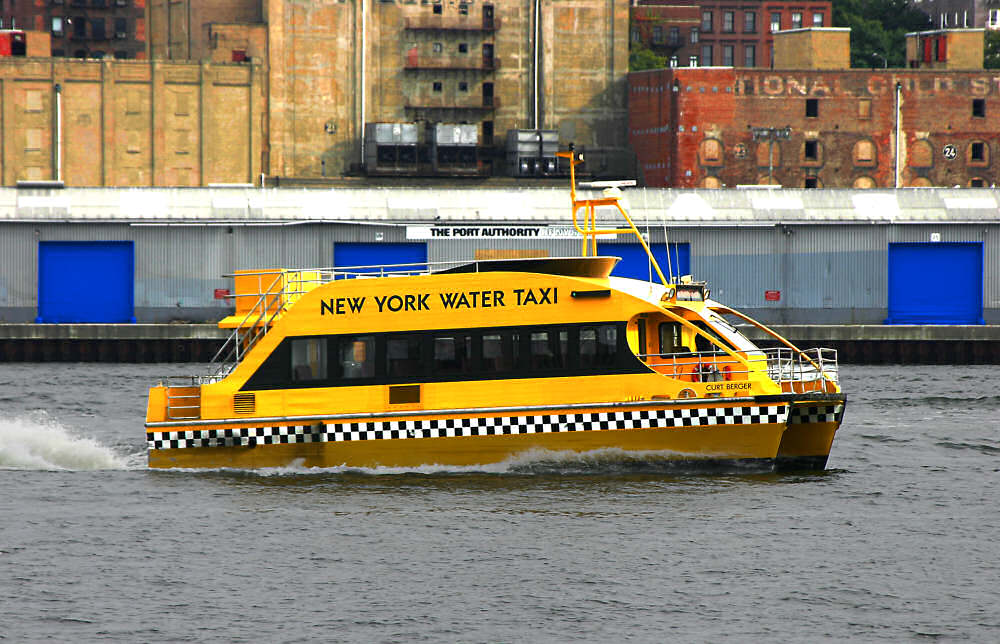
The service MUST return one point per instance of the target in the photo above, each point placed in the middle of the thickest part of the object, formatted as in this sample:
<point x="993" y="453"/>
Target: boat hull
<point x="808" y="439"/>
<point x="698" y="433"/>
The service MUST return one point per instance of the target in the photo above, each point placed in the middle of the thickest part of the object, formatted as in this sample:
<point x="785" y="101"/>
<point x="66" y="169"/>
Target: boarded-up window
<point x="181" y="103"/>
<point x="132" y="142"/>
<point x="133" y="104"/>
<point x="33" y="100"/>
<point x="864" y="153"/>
<point x="865" y="108"/>
<point x="182" y="141"/>
<point x="921" y="154"/>
<point x="32" y="140"/>
<point x="768" y="154"/>
<point x="711" y="152"/>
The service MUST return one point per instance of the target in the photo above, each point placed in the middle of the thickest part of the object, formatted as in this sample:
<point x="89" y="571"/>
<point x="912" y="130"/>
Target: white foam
<point x="37" y="442"/>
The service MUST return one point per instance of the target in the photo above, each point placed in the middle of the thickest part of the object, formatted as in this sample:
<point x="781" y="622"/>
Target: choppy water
<point x="898" y="541"/>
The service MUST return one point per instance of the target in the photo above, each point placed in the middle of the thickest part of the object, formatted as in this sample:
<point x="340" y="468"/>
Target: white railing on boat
<point x="783" y="365"/>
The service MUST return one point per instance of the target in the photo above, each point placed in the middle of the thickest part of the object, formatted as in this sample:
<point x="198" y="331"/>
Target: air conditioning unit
<point x="120" y="35"/>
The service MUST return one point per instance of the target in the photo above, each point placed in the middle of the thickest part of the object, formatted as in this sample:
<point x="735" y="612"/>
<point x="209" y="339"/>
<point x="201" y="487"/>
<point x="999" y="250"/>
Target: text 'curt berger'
<point x="451" y="300"/>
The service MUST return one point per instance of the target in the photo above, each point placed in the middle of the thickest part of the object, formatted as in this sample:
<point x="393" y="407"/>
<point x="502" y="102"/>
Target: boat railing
<point x="799" y="369"/>
<point x="795" y="371"/>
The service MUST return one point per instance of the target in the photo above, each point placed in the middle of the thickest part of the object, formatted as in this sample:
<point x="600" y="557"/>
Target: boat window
<point x="452" y="354"/>
<point x="357" y="357"/>
<point x="670" y="339"/>
<point x="598" y="345"/>
<point x="403" y="356"/>
<point x="501" y="351"/>
<point x="641" y="328"/>
<point x="309" y="359"/>
<point x="549" y="349"/>
<point x="704" y="344"/>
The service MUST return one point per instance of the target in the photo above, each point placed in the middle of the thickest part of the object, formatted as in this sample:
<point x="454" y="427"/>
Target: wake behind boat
<point x="482" y="362"/>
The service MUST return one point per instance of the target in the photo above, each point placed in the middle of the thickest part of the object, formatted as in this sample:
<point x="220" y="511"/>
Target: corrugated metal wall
<point x="826" y="272"/>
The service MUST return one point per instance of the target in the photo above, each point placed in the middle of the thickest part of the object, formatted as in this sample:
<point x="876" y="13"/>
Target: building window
<point x="121" y="55"/>
<point x="817" y="20"/>
<point x="796" y="20"/>
<point x="775" y="22"/>
<point x="463" y="47"/>
<point x="812" y="182"/>
<point x="749" y="56"/>
<point x="97" y="29"/>
<point x="463" y="86"/>
<point x="694" y="35"/>
<point x="865" y="108"/>
<point x="121" y="28"/>
<point x="675" y="37"/>
<point x="977" y="152"/>
<point x="463" y="9"/>
<point x="706" y="55"/>
<point x="812" y="107"/>
<point x="635" y="34"/>
<point x="706" y="21"/>
<point x="728" y="22"/>
<point x="437" y="86"/>
<point x="979" y="107"/>
<point x="57" y="26"/>
<point x="711" y="152"/>
<point x="79" y="28"/>
<point x="977" y="182"/>
<point x="750" y="22"/>
<point x="727" y="55"/>
<point x="436" y="9"/>
<point x="993" y="21"/>
<point x="811" y="151"/>
<point x="657" y="35"/>
<point x="864" y="153"/>
<point x="437" y="48"/>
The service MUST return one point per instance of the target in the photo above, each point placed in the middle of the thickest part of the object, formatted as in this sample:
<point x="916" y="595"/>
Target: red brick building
<point x="721" y="32"/>
<point x="695" y="127"/>
<point x="86" y="28"/>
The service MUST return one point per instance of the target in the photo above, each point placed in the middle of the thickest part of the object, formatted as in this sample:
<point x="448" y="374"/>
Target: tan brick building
<point x="285" y="88"/>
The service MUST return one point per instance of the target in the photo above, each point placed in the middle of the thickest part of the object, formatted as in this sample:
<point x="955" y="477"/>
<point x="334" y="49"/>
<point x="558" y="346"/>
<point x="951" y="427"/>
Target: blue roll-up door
<point x="936" y="283"/>
<point x="86" y="281"/>
<point x="635" y="263"/>
<point x="412" y="256"/>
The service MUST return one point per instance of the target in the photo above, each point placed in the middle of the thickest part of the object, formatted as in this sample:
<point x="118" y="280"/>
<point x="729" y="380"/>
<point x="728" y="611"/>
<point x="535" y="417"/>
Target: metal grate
<point x="244" y="403"/>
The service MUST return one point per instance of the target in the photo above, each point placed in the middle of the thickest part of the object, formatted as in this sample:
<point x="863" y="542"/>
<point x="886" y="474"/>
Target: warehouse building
<point x="916" y="256"/>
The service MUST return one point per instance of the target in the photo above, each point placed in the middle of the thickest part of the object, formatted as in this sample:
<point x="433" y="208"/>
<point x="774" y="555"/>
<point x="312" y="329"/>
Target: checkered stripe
<point x="817" y="414"/>
<point x="482" y="426"/>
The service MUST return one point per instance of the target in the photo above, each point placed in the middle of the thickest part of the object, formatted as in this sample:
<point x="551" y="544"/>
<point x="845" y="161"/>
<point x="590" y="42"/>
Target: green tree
<point x="878" y="29"/>
<point x="641" y="58"/>
<point x="992" y="53"/>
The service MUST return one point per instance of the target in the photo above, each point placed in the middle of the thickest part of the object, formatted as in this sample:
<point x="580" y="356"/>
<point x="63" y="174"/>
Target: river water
<point x="898" y="541"/>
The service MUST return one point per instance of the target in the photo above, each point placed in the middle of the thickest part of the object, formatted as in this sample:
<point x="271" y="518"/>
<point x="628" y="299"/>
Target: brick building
<point x="698" y="127"/>
<point x="86" y="28"/>
<point x="710" y="33"/>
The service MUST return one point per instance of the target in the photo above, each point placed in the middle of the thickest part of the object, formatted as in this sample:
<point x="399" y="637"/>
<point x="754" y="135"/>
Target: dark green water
<point x="897" y="541"/>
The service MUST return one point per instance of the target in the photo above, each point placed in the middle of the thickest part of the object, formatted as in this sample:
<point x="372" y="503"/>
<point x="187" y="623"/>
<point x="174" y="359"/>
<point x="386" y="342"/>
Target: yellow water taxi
<point x="491" y="361"/>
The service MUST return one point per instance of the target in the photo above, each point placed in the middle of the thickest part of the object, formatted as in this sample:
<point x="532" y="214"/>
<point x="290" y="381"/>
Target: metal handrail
<point x="782" y="365"/>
